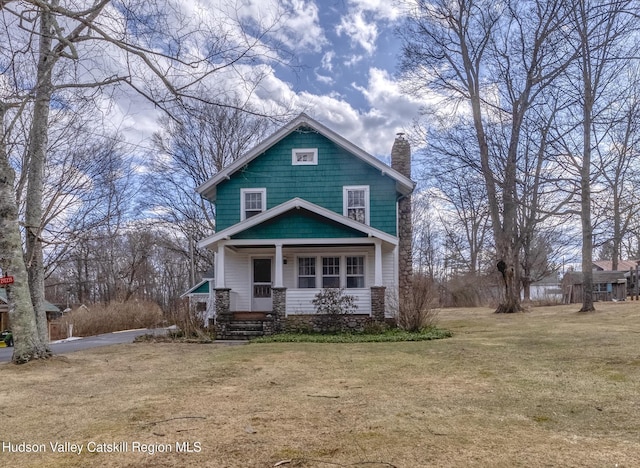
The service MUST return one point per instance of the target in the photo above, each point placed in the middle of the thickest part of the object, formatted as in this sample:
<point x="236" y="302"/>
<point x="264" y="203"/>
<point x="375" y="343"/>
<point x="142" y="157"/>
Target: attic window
<point x="304" y="156"/>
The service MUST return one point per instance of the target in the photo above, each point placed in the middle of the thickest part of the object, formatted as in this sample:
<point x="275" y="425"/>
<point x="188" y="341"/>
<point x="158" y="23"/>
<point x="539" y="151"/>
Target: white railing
<point x="299" y="301"/>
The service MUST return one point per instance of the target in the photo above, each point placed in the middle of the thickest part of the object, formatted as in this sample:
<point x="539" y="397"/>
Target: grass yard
<point x="547" y="388"/>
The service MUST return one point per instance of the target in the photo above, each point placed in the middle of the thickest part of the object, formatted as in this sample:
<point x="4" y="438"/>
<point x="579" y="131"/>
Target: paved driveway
<point x="69" y="346"/>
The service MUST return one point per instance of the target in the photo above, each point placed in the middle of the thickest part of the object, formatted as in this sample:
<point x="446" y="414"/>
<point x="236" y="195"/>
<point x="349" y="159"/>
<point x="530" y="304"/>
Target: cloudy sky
<point x="347" y="56"/>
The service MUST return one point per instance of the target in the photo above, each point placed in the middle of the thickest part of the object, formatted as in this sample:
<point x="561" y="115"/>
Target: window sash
<point x="306" y="272"/>
<point x="355" y="272"/>
<point x="356" y="203"/>
<point x="330" y="272"/>
<point x="253" y="202"/>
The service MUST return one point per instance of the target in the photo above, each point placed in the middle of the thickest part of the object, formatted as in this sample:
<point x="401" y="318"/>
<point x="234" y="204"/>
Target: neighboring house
<point x="629" y="267"/>
<point x="305" y="210"/>
<point x="607" y="286"/>
<point x="202" y="299"/>
<point x="52" y="311"/>
<point x="546" y="289"/>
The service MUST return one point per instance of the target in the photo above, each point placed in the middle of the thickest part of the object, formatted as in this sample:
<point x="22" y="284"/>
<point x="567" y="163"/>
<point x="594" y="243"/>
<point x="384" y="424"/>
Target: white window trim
<point x="313" y="162"/>
<point x="345" y="200"/>
<point x="342" y="265"/>
<point x="297" y="271"/>
<point x="262" y="191"/>
<point x="364" y="269"/>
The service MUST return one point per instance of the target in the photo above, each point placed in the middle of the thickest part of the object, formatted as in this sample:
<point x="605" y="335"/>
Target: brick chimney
<point x="401" y="162"/>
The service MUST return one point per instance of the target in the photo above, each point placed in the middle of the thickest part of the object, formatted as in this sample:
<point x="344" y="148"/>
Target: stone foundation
<point x="325" y="324"/>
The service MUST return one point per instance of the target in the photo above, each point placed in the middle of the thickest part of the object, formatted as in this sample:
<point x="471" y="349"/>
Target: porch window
<point x="355" y="272"/>
<point x="330" y="272"/>
<point x="306" y="272"/>
<point x="356" y="203"/>
<point x="253" y="202"/>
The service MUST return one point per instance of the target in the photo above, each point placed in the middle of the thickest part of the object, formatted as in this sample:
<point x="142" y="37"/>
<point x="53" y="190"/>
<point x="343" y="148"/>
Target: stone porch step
<point x="246" y="325"/>
<point x="243" y="329"/>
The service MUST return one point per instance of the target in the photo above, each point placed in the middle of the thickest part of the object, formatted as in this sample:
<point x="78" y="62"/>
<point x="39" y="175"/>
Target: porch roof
<point x="342" y="226"/>
<point x="201" y="288"/>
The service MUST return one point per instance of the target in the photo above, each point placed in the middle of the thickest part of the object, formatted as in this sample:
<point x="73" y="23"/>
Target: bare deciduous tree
<point x="496" y="59"/>
<point x="603" y="36"/>
<point x="156" y="50"/>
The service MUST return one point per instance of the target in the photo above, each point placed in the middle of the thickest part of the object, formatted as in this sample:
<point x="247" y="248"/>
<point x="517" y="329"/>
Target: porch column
<point x="223" y="312"/>
<point x="278" y="279"/>
<point x="220" y="266"/>
<point x="377" y="277"/>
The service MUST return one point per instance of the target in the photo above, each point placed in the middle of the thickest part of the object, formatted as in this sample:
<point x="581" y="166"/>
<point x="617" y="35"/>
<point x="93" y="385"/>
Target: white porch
<point x="237" y="271"/>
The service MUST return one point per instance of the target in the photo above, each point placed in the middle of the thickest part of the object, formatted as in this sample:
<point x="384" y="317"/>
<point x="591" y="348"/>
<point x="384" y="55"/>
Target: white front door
<point x="261" y="300"/>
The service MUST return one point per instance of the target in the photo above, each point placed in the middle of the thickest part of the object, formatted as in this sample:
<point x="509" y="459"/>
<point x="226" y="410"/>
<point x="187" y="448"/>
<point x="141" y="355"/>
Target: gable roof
<point x="605" y="265"/>
<point x="201" y="288"/>
<point x="296" y="203"/>
<point x="404" y="185"/>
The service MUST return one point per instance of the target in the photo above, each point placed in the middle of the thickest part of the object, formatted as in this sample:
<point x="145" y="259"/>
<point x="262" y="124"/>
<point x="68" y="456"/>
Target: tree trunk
<point x="508" y="267"/>
<point x="36" y="153"/>
<point x="27" y="343"/>
<point x="585" y="175"/>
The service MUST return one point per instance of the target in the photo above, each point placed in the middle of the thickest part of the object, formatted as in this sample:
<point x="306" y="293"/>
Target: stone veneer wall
<point x="324" y="324"/>
<point x="378" y="302"/>
<point x="223" y="311"/>
<point x="279" y="308"/>
<point x="401" y="162"/>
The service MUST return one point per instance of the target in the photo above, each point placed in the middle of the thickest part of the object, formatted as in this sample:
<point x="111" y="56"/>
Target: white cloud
<point x="297" y="22"/>
<point x="327" y="60"/>
<point x="361" y="23"/>
<point x="353" y="60"/>
<point x="382" y="10"/>
<point x="324" y="79"/>
<point x="361" y="30"/>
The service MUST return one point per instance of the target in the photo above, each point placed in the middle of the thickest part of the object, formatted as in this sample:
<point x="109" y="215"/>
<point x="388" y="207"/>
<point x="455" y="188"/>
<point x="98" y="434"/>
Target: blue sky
<point x="352" y="40"/>
<point x="348" y="55"/>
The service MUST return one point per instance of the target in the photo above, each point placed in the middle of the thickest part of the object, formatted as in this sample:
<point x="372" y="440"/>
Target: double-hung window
<point x="355" y="272"/>
<point x="330" y="272"/>
<point x="306" y="272"/>
<point x="253" y="202"/>
<point x="356" y="203"/>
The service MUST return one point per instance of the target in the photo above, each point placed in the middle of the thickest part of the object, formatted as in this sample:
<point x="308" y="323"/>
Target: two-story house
<point x="304" y="210"/>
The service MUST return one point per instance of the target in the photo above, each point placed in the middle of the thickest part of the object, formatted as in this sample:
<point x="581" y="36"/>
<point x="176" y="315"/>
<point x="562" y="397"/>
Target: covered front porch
<point x="285" y="277"/>
<point x="276" y="262"/>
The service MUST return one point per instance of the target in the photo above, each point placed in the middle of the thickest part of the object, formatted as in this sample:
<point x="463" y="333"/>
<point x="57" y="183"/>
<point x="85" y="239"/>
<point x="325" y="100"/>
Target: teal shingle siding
<point x="321" y="184"/>
<point x="299" y="224"/>
<point x="202" y="289"/>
